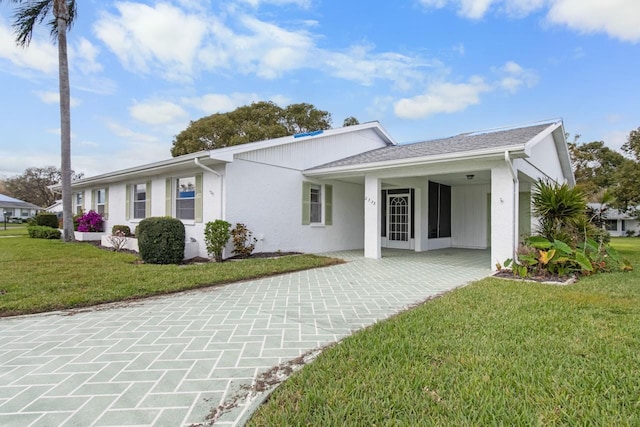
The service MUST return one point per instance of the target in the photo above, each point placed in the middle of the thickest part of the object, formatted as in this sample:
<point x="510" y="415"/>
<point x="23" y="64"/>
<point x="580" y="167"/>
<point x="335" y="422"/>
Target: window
<point x="624" y="225"/>
<point x="439" y="210"/>
<point x="24" y="212"/>
<point x="100" y="198"/>
<point x="186" y="198"/>
<point x="139" y="201"/>
<point x="611" y="225"/>
<point x="317" y="204"/>
<point x="78" y="203"/>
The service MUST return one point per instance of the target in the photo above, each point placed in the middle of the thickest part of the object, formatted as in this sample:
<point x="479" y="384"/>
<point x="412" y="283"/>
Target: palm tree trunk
<point x="61" y="12"/>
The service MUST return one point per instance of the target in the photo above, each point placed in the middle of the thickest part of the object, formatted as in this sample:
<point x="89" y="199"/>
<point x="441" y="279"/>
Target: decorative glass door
<point x="398" y="221"/>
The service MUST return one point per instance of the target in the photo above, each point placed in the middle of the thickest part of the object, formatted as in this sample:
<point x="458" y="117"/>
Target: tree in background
<point x="350" y="121"/>
<point x="607" y="176"/>
<point x="33" y="185"/>
<point x="626" y="190"/>
<point x="62" y="12"/>
<point x="594" y="166"/>
<point x="249" y="123"/>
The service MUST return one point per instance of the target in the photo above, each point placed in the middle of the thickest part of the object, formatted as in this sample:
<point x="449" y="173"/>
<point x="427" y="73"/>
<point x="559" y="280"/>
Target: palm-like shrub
<point x="560" y="209"/>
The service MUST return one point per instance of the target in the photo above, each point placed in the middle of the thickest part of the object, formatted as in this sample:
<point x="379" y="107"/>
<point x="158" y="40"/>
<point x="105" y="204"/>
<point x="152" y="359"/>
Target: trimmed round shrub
<point x="161" y="240"/>
<point x="47" y="219"/>
<point x="126" y="231"/>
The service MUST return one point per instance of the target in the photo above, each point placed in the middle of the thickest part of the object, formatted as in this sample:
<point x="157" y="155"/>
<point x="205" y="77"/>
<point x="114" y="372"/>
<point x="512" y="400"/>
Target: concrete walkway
<point x="192" y="358"/>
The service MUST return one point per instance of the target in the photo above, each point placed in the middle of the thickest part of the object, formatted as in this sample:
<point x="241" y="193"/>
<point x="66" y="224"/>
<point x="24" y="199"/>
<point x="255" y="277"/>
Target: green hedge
<point x="43" y="232"/>
<point x="161" y="240"/>
<point x="47" y="219"/>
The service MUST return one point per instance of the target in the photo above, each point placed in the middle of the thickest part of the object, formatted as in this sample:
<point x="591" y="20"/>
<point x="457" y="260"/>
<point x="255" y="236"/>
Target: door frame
<point x="399" y="244"/>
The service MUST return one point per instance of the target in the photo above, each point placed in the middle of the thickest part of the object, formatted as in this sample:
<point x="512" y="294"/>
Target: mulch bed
<point x="548" y="278"/>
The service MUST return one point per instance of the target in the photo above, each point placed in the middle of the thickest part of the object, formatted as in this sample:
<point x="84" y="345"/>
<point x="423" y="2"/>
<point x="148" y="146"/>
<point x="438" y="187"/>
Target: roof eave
<point x="516" y="151"/>
<point x="138" y="170"/>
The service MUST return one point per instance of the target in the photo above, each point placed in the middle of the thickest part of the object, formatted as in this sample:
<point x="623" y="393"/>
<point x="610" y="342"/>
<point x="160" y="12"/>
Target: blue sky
<point x="141" y="70"/>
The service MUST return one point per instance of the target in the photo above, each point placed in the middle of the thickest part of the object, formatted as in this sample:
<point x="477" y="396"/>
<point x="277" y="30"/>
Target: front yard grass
<point x="493" y="353"/>
<point x="13" y="230"/>
<point x="44" y="275"/>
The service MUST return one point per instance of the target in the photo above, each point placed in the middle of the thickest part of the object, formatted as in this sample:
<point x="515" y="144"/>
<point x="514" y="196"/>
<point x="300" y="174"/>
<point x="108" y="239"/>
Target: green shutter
<point x="306" y="203"/>
<point x="147" y="204"/>
<point x="127" y="203"/>
<point x="167" y="197"/>
<point x="93" y="200"/>
<point x="328" y="204"/>
<point x="198" y="201"/>
<point x="106" y="203"/>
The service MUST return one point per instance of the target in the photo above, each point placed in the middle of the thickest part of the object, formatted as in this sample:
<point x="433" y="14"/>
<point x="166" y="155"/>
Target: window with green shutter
<point x="317" y="204"/>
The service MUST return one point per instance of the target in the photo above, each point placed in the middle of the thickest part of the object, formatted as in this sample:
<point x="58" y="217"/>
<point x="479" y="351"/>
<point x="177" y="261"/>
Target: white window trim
<point x="174" y="199"/>
<point x="134" y="200"/>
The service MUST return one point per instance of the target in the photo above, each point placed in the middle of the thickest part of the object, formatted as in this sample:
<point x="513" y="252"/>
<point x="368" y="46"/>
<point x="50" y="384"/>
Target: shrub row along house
<point x="347" y="188"/>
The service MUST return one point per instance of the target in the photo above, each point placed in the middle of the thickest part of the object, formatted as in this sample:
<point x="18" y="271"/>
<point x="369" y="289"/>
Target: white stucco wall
<point x="268" y="200"/>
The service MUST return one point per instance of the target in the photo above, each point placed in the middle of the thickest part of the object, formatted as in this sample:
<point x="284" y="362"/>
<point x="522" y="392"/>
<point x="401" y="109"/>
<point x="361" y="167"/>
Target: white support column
<point x="503" y="214"/>
<point x="417" y="220"/>
<point x="372" y="239"/>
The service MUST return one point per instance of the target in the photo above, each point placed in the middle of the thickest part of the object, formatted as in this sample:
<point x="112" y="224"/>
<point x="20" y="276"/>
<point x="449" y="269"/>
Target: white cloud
<point x="257" y="3"/>
<point x="144" y="39"/>
<point x="156" y="112"/>
<point x="616" y="18"/>
<point x="364" y="66"/>
<point x="442" y="97"/>
<point x="51" y="97"/>
<point x="128" y="134"/>
<point x="84" y="57"/>
<point x="218" y="103"/>
<point x="161" y="39"/>
<point x="513" y="77"/>
<point x="39" y="56"/>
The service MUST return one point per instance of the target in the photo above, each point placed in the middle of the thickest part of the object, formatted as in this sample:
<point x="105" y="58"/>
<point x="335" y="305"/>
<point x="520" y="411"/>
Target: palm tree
<point x="61" y="14"/>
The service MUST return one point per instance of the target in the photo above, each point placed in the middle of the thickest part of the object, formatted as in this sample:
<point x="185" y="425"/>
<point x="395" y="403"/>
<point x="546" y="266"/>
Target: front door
<point x="398" y="221"/>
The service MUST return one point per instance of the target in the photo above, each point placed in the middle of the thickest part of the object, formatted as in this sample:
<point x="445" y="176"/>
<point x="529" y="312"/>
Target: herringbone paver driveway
<point x="172" y="361"/>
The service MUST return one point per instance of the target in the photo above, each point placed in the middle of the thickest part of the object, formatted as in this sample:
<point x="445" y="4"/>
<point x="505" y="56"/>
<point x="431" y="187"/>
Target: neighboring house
<point x="55" y="208"/>
<point x="347" y="188"/>
<point x="617" y="223"/>
<point x="14" y="209"/>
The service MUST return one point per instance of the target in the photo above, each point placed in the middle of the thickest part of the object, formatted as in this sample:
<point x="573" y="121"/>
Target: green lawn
<point x="44" y="275"/>
<point x="13" y="230"/>
<point x="493" y="353"/>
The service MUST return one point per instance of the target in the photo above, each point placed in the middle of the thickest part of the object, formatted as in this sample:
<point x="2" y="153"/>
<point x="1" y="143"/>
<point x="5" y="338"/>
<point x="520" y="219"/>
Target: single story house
<point x="12" y="209"/>
<point x="347" y="188"/>
<point x="616" y="222"/>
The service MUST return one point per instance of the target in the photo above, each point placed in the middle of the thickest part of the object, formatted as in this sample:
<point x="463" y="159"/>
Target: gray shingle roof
<point x="455" y="144"/>
<point x="10" y="202"/>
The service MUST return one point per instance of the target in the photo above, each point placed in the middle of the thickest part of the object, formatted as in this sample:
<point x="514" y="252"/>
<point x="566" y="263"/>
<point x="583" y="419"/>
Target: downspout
<point x="219" y="175"/>
<point x="516" y="205"/>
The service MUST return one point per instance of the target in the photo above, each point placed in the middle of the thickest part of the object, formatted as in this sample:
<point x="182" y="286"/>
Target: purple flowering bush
<point x="91" y="221"/>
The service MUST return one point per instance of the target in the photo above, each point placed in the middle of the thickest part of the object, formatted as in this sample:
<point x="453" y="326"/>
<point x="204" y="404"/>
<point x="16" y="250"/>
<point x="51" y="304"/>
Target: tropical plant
<point x="540" y="257"/>
<point x="28" y="14"/>
<point x="216" y="236"/>
<point x="558" y="208"/>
